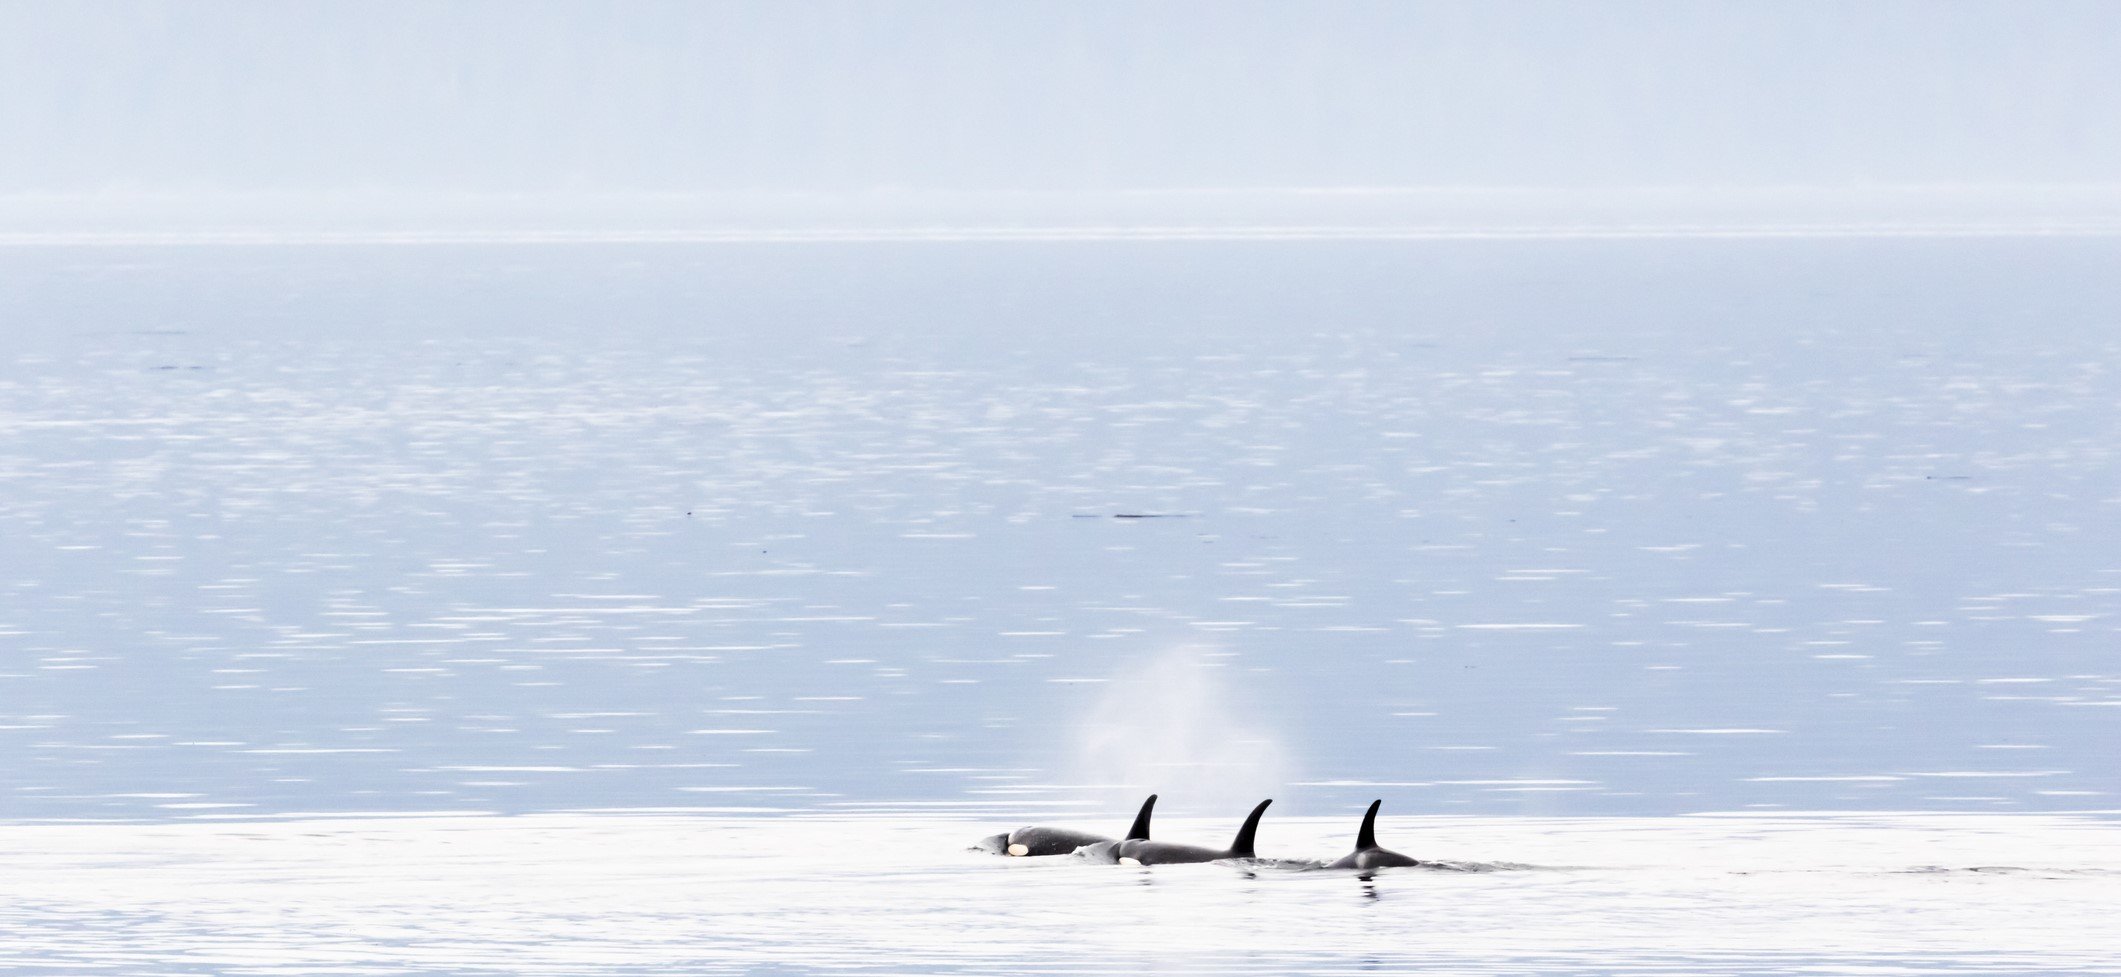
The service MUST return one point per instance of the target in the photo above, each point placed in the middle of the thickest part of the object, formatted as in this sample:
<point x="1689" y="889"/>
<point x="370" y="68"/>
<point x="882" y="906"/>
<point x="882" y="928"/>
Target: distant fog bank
<point x="661" y="97"/>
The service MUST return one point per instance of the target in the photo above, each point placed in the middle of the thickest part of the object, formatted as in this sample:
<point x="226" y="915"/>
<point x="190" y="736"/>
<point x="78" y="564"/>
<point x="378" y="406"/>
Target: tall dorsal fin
<point x="1140" y="831"/>
<point x="1242" y="847"/>
<point x="1368" y="837"/>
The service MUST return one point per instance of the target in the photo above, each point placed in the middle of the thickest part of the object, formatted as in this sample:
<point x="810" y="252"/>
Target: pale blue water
<point x="570" y="895"/>
<point x="1621" y="527"/>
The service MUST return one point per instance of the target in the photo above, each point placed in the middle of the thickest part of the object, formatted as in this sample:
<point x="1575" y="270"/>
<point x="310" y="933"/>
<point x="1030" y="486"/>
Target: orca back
<point x="1368" y="854"/>
<point x="1140" y="830"/>
<point x="1241" y="846"/>
<point x="1367" y="838"/>
<point x="1038" y="840"/>
<point x="1165" y="853"/>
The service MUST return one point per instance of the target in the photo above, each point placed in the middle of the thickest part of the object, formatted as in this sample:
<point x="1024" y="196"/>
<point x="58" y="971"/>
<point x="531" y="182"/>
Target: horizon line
<point x="256" y="237"/>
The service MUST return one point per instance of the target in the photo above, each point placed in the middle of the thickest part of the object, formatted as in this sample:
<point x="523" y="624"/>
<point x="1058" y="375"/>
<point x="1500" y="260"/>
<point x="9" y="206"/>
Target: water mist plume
<point x="1176" y="726"/>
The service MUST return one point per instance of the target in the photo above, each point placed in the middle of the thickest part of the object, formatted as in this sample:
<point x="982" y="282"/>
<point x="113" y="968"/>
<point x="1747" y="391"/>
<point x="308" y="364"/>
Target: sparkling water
<point x="722" y="593"/>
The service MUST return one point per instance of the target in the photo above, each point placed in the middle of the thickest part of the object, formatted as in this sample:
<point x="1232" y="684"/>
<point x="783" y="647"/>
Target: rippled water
<point x="554" y="894"/>
<point x="1017" y="531"/>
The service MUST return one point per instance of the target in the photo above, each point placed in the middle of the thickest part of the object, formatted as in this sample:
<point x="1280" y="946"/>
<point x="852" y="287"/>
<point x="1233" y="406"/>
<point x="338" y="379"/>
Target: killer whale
<point x="1142" y="851"/>
<point x="1038" y="840"/>
<point x="1107" y="852"/>
<point x="1367" y="853"/>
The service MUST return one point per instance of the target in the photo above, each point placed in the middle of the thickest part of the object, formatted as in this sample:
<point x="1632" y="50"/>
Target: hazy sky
<point x="528" y="96"/>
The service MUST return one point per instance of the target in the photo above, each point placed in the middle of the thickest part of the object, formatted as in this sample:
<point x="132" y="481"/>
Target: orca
<point x="1036" y="840"/>
<point x="1107" y="852"/>
<point x="1367" y="854"/>
<point x="1142" y="851"/>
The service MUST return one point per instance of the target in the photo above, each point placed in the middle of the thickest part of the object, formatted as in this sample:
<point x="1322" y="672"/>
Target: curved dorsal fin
<point x="1368" y="837"/>
<point x="1140" y="831"/>
<point x="1242" y="846"/>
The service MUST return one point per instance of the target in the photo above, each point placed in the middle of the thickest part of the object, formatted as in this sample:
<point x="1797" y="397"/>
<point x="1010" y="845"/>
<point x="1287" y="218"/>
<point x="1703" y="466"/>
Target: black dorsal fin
<point x="1140" y="831"/>
<point x="1368" y="837"/>
<point x="1242" y="847"/>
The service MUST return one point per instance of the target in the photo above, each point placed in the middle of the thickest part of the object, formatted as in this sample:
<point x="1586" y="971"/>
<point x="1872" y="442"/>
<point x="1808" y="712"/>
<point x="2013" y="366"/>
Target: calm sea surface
<point x="736" y="588"/>
<point x="624" y="895"/>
